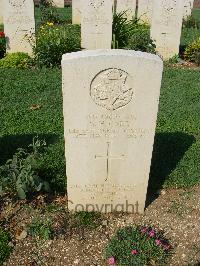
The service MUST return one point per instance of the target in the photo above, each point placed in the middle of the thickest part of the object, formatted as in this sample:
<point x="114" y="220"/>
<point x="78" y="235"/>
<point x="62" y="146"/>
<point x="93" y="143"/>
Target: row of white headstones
<point x="110" y="105"/>
<point x="95" y="17"/>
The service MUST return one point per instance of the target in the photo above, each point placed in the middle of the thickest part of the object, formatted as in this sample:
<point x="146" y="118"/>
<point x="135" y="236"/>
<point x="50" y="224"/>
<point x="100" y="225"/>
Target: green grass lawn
<point x="190" y="34"/>
<point x="177" y="144"/>
<point x="196" y="14"/>
<point x="176" y="153"/>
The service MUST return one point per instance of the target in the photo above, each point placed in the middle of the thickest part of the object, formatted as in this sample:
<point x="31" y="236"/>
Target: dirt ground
<point x="176" y="212"/>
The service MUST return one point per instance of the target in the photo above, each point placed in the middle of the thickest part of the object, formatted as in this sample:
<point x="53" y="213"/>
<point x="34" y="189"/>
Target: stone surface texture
<point x="110" y="104"/>
<point x="19" y="25"/>
<point x="96" y="24"/>
<point x="166" y="26"/>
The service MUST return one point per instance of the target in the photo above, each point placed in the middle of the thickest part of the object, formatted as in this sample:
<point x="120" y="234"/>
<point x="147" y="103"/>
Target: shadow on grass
<point x="9" y="144"/>
<point x="169" y="149"/>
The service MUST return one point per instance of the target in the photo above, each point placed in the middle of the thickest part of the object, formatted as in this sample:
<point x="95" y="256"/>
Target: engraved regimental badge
<point x="111" y="89"/>
<point x="97" y="4"/>
<point x="17" y="3"/>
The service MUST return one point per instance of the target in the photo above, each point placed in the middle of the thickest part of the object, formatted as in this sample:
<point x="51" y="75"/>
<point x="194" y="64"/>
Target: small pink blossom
<point x="134" y="252"/>
<point x="111" y="261"/>
<point x="158" y="242"/>
<point x="143" y="230"/>
<point x="151" y="233"/>
<point x="166" y="246"/>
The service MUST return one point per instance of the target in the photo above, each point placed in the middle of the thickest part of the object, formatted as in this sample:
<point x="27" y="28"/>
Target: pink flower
<point x="143" y="230"/>
<point x="158" y="242"/>
<point x="151" y="233"/>
<point x="134" y="252"/>
<point x="166" y="246"/>
<point x="111" y="261"/>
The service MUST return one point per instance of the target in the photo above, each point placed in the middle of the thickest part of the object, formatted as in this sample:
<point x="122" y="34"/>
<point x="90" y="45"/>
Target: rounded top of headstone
<point x="111" y="52"/>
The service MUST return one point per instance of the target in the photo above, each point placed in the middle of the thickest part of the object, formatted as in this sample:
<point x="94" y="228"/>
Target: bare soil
<point x="176" y="212"/>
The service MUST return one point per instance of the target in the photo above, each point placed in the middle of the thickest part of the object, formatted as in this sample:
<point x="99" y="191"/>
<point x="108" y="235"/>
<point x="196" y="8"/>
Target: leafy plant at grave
<point x="49" y="12"/>
<point x="141" y="41"/>
<point x="131" y="34"/>
<point x="5" y="249"/>
<point x="191" y="22"/>
<point x="174" y="60"/>
<point x="15" y="60"/>
<point x="45" y="3"/>
<point x="137" y="246"/>
<point x="87" y="219"/>
<point x="121" y="29"/>
<point x="192" y="52"/>
<point x="54" y="41"/>
<point x="2" y="44"/>
<point x="19" y="174"/>
<point x="41" y="228"/>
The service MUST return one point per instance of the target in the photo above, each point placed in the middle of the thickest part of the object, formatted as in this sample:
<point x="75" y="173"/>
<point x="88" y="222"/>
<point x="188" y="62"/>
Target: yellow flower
<point x="50" y="23"/>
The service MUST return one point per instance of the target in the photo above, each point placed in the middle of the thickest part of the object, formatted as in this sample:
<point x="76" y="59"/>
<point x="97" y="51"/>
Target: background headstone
<point x="19" y="25"/>
<point x="59" y="3"/>
<point x="126" y="5"/>
<point x="145" y="10"/>
<point x="110" y="104"/>
<point x="76" y="11"/>
<point x="96" y="24"/>
<point x="1" y="11"/>
<point x="166" y="26"/>
<point x="188" y="5"/>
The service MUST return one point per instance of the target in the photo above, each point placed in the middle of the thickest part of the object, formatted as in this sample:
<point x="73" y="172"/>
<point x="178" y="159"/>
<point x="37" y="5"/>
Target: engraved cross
<point x="108" y="159"/>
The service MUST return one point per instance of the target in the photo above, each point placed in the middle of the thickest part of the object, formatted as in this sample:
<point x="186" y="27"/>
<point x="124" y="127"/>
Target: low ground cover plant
<point x="41" y="228"/>
<point x="191" y="22"/>
<point x="15" y="60"/>
<point x="137" y="246"/>
<point x="192" y="52"/>
<point x="5" y="249"/>
<point x="20" y="174"/>
<point x="89" y="220"/>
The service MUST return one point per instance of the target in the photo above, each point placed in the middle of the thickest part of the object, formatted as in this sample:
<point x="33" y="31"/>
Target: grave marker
<point x="110" y="103"/>
<point x="76" y="11"/>
<point x="96" y="24"/>
<point x="188" y="5"/>
<point x="145" y="10"/>
<point x="166" y="27"/>
<point x="127" y="5"/>
<point x="19" y="25"/>
<point x="1" y="11"/>
<point x="59" y="3"/>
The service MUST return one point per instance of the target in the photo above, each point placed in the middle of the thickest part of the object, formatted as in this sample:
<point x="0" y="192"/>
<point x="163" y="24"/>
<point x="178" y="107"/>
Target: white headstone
<point x="96" y="24"/>
<point x="188" y="5"/>
<point x="1" y="11"/>
<point x="127" y="5"/>
<point x="59" y="3"/>
<point x="166" y="26"/>
<point x="145" y="10"/>
<point x="19" y="25"/>
<point x="110" y="104"/>
<point x="76" y="11"/>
